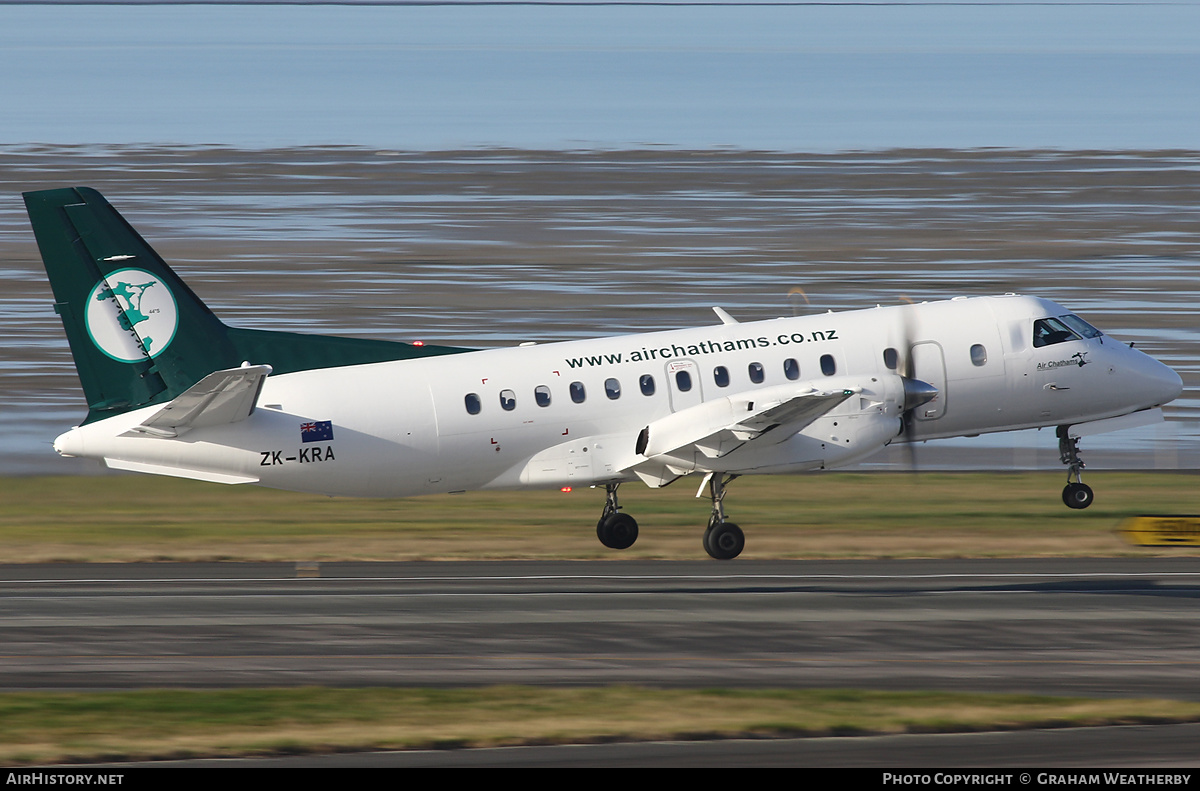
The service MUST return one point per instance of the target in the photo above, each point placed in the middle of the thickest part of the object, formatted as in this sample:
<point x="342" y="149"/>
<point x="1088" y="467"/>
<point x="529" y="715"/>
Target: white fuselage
<point x="577" y="408"/>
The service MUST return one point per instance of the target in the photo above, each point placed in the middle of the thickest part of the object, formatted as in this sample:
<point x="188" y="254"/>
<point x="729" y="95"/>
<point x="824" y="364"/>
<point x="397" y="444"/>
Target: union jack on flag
<point x="317" y="431"/>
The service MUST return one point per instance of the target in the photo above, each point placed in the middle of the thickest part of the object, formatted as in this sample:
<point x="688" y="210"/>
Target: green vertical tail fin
<point x="138" y="334"/>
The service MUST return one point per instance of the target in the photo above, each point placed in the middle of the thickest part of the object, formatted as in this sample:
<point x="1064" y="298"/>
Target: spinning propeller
<point x="916" y="392"/>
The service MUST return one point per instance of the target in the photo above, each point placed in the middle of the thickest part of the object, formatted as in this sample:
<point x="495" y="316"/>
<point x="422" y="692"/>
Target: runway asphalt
<point x="1091" y="627"/>
<point x="1103" y="627"/>
<point x="1162" y="748"/>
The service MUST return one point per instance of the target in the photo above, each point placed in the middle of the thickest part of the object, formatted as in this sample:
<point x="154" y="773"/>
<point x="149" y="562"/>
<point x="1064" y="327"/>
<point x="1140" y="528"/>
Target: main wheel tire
<point x="724" y="541"/>
<point x="1077" y="495"/>
<point x="618" y="531"/>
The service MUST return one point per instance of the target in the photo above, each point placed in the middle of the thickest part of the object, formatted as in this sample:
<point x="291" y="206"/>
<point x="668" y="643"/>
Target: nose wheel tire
<point x="1077" y="495"/>
<point x="724" y="541"/>
<point x="617" y="531"/>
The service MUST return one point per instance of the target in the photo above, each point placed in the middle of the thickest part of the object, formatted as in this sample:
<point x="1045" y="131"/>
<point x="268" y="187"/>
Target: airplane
<point x="171" y="390"/>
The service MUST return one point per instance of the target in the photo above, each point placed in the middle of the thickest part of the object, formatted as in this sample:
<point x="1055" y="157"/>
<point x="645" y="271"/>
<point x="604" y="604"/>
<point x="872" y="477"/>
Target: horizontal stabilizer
<point x="220" y="398"/>
<point x="178" y="472"/>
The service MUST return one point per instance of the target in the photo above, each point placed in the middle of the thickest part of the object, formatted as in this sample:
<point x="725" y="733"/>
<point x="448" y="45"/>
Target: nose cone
<point x="1164" y="384"/>
<point x="1146" y="381"/>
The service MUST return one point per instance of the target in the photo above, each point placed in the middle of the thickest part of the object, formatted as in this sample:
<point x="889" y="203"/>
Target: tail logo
<point x="131" y="315"/>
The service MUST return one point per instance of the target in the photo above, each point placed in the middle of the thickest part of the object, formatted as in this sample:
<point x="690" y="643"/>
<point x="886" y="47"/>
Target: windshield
<point x="1049" y="331"/>
<point x="1080" y="326"/>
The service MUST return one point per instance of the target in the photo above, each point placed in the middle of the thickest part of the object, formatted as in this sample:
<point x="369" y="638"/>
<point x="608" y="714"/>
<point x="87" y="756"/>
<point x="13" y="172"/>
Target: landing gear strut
<point x="1076" y="494"/>
<point x="722" y="540"/>
<point x="615" y="529"/>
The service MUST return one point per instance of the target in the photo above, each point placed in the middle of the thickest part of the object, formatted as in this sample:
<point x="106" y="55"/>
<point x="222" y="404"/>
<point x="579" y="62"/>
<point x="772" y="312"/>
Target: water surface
<point x="484" y="248"/>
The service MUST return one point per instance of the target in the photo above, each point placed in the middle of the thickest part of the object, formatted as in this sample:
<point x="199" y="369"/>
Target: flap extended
<point x="716" y="428"/>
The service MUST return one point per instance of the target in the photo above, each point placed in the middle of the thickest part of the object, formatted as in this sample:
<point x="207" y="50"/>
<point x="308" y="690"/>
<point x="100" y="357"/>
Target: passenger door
<point x="683" y="384"/>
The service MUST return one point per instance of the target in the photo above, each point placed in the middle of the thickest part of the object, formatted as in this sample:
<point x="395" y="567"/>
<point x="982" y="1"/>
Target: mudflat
<point x="499" y="246"/>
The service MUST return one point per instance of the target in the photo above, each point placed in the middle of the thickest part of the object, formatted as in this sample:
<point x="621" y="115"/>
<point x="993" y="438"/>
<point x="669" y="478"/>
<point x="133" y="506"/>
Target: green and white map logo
<point x="131" y="314"/>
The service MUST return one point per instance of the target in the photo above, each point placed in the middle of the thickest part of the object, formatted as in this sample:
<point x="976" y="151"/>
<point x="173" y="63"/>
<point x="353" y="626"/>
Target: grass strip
<point x="39" y="728"/>
<point x="144" y="518"/>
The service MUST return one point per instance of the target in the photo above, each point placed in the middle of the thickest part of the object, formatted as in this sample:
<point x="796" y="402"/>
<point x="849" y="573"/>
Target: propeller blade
<point x="906" y="339"/>
<point x="916" y="392"/>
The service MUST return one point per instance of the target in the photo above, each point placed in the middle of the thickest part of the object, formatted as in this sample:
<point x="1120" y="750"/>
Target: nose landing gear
<point x="1076" y="494"/>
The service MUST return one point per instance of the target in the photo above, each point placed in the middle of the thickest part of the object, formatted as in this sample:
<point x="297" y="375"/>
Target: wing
<point x="717" y="428"/>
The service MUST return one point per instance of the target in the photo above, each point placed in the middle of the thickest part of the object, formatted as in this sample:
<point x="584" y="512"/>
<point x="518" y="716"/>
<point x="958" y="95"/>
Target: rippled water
<point x="485" y="247"/>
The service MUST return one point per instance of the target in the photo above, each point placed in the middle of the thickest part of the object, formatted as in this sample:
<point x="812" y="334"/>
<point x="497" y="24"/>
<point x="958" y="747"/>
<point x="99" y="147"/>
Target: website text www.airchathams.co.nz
<point x="697" y="349"/>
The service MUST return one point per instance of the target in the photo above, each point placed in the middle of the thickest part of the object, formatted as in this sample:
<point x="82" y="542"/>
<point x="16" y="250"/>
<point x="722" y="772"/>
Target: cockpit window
<point x="1047" y="332"/>
<point x="1080" y="326"/>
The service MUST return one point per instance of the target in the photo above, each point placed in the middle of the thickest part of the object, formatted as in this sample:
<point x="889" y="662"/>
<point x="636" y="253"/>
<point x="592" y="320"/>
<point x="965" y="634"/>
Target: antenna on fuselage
<point x="793" y="291"/>
<point x="724" y="316"/>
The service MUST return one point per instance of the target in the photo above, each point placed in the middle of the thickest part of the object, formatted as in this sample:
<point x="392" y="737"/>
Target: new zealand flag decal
<point x="319" y="431"/>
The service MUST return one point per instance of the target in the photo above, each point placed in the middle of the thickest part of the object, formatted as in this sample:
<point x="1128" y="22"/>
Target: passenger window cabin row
<point x="891" y="357"/>
<point x="1046" y="332"/>
<point x="612" y="386"/>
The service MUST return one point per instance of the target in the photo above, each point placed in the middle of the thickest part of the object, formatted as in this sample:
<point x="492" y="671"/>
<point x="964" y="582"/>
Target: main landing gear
<point x="1076" y="494"/>
<point x="615" y="529"/>
<point x="722" y="540"/>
